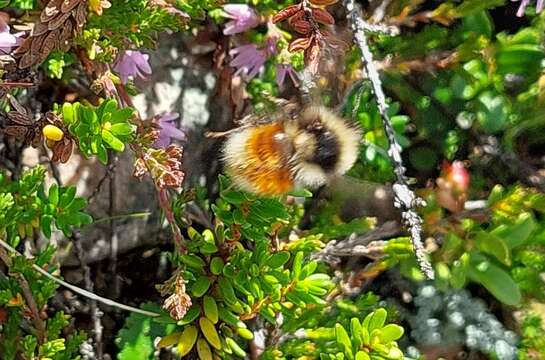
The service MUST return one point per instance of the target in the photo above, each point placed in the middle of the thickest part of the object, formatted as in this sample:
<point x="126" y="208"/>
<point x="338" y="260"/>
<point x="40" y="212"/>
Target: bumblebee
<point x="304" y="149"/>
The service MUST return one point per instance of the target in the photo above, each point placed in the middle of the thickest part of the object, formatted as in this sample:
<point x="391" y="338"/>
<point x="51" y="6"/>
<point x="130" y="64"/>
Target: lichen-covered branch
<point x="405" y="199"/>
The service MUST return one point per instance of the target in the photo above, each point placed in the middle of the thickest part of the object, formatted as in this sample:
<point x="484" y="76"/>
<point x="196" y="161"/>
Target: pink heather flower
<point x="524" y="3"/>
<point x="7" y="40"/>
<point x="285" y="69"/>
<point x="248" y="59"/>
<point x="168" y="130"/>
<point x="244" y="18"/>
<point x="132" y="64"/>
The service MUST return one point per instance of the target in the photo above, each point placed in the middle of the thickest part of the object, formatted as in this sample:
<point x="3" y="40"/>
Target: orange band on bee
<point x="267" y="168"/>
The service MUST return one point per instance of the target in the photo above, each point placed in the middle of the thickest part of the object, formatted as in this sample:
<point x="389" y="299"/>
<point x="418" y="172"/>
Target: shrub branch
<point x="405" y="199"/>
<point x="78" y="290"/>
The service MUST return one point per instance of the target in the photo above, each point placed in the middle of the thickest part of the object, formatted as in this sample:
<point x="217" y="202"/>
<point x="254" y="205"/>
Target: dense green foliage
<point x="258" y="277"/>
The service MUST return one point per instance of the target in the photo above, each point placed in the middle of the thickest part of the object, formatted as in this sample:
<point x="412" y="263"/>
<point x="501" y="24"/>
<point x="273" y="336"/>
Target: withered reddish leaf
<point x="17" y="131"/>
<point x="286" y="13"/>
<point x="36" y="138"/>
<point x="50" y="11"/>
<point x="81" y="15"/>
<point x="67" y="151"/>
<point x="24" y="47"/>
<point x="298" y="16"/>
<point x="51" y="117"/>
<point x="39" y="29"/>
<point x="323" y="2"/>
<point x="49" y="43"/>
<point x="27" y="60"/>
<point x="68" y="5"/>
<point x="15" y="104"/>
<point x="302" y="27"/>
<point x="65" y="36"/>
<point x="322" y="16"/>
<point x="299" y="44"/>
<point x="37" y="44"/>
<point x="58" y="21"/>
<point x="62" y="150"/>
<point x="19" y="118"/>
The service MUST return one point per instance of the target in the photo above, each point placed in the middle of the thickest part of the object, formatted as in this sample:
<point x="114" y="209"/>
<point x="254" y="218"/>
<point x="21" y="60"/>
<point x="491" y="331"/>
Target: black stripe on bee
<point x="327" y="146"/>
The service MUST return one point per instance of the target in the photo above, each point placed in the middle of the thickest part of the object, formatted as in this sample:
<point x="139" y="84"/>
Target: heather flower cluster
<point x="243" y="18"/>
<point x="132" y="64"/>
<point x="249" y="59"/>
<point x="168" y="130"/>
<point x="524" y="3"/>
<point x="8" y="41"/>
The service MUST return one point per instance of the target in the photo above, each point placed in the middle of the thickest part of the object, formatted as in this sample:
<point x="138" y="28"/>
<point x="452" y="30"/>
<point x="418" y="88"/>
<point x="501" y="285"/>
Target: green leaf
<point x="53" y="195"/>
<point x="458" y="273"/>
<point x="479" y="23"/>
<point x="493" y="245"/>
<point x="122" y="129"/>
<point x="191" y="314"/>
<point x="519" y="58"/>
<point x="107" y="107"/>
<point x="67" y="196"/>
<point x="278" y="259"/>
<point x="376" y="319"/>
<point x="45" y="224"/>
<point x="135" y="340"/>
<point x="517" y="234"/>
<point x="227" y="290"/>
<point x="343" y="340"/>
<point x="494" y="279"/>
<point x="297" y="264"/>
<point x="68" y="116"/>
<point x="193" y="261"/>
<point x="201" y="285"/>
<point x="390" y="332"/>
<point x="122" y="115"/>
<point x="102" y="154"/>
<point x="357" y="333"/>
<point x="216" y="265"/>
<point x="111" y="140"/>
<point x="362" y="355"/>
<point x="493" y="112"/>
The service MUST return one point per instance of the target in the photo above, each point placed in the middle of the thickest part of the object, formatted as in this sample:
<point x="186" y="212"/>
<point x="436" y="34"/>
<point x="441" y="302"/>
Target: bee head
<point x="325" y="146"/>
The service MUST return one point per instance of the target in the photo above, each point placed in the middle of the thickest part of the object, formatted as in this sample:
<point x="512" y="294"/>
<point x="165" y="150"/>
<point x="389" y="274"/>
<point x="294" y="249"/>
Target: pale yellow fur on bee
<point x="348" y="139"/>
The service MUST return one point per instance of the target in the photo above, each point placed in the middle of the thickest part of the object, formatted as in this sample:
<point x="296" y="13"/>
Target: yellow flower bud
<point x="52" y="132"/>
<point x="107" y="125"/>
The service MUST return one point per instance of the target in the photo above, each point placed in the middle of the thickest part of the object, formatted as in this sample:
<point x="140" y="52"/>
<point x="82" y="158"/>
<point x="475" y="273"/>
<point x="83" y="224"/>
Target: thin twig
<point x="109" y="170"/>
<point x="29" y="298"/>
<point x="405" y="199"/>
<point x="79" y="290"/>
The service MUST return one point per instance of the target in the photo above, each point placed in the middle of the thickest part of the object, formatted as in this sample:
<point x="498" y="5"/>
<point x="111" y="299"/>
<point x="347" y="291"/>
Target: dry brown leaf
<point x="58" y="21"/>
<point x="300" y="44"/>
<point x="322" y="16"/>
<point x="286" y="13"/>
<point x="68" y="5"/>
<point x="51" y="10"/>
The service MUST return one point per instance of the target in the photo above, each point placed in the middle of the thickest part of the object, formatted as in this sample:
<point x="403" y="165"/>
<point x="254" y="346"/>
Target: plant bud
<point x="51" y="132"/>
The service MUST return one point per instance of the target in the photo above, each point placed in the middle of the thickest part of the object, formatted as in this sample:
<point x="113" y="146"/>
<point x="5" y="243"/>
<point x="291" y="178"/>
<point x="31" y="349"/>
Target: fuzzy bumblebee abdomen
<point x="261" y="163"/>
